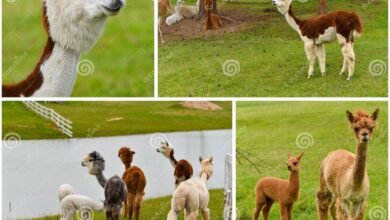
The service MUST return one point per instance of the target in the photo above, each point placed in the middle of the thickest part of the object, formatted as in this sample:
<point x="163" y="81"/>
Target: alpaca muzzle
<point x="112" y="6"/>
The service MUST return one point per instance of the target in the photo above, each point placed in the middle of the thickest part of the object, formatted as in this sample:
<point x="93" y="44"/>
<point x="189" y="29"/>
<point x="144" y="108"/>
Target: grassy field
<point x="122" y="57"/>
<point x="94" y="119"/>
<point x="267" y="132"/>
<point x="271" y="57"/>
<point x="157" y="209"/>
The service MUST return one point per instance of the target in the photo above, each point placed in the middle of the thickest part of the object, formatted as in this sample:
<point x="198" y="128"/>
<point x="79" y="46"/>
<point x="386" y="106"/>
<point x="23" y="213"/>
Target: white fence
<point x="228" y="188"/>
<point x="62" y="123"/>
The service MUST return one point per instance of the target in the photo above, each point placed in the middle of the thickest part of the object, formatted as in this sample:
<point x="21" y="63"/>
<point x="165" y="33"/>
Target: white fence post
<point x="62" y="123"/>
<point x="228" y="206"/>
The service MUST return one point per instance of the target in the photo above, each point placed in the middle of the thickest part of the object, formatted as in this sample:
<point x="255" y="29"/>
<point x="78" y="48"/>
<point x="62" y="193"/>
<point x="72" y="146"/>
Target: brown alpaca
<point x="135" y="182"/>
<point x="212" y="20"/>
<point x="285" y="192"/>
<point x="183" y="169"/>
<point x="343" y="175"/>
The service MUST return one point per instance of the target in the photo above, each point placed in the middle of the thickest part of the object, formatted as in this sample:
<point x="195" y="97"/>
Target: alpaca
<point x="183" y="169"/>
<point x="175" y="17"/>
<point x="135" y="181"/>
<point x="343" y="26"/>
<point x="164" y="8"/>
<point x="285" y="192"/>
<point x="73" y="26"/>
<point x="212" y="20"/>
<point x="192" y="194"/>
<point x="344" y="184"/>
<point x="65" y="190"/>
<point x="114" y="188"/>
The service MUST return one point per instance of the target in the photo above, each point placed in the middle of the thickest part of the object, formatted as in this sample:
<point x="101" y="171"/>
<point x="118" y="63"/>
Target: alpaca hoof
<point x="322" y="74"/>
<point x="348" y="78"/>
<point x="341" y="73"/>
<point x="308" y="77"/>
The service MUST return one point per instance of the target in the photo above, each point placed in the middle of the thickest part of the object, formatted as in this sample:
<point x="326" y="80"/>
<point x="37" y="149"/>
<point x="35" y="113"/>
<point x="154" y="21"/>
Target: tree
<point x="323" y="7"/>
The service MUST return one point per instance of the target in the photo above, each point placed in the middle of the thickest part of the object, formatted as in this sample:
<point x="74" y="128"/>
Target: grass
<point x="122" y="57"/>
<point x="157" y="209"/>
<point x="267" y="132"/>
<point x="97" y="119"/>
<point x="272" y="60"/>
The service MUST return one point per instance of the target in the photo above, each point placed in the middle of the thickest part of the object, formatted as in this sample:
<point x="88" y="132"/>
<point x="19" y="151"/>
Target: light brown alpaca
<point x="285" y="192"/>
<point x="183" y="169"/>
<point x="135" y="182"/>
<point x="343" y="176"/>
<point x="164" y="8"/>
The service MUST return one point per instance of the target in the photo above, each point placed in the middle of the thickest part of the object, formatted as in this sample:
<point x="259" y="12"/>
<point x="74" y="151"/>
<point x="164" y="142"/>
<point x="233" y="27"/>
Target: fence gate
<point x="65" y="125"/>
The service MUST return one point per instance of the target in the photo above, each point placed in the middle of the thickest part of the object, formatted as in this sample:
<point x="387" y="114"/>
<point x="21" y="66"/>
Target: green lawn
<point x="94" y="119"/>
<point x="272" y="59"/>
<point x="157" y="209"/>
<point x="267" y="132"/>
<point x="122" y="57"/>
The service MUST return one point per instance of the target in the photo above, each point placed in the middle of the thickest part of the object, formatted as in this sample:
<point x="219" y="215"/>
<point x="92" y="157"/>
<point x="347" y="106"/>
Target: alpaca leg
<point x="320" y="52"/>
<point x="283" y="212"/>
<point x="206" y="214"/>
<point x="108" y="211"/>
<point x="289" y="211"/>
<point x="137" y="205"/>
<point x="159" y="29"/>
<point x="311" y="57"/>
<point x="173" y="215"/>
<point x="349" y="54"/>
<point x="324" y="197"/>
<point x="130" y="204"/>
<point x="267" y="208"/>
<point x="359" y="208"/>
<point x="126" y="210"/>
<point x="191" y="215"/>
<point x="117" y="210"/>
<point x="333" y="209"/>
<point x="340" y="210"/>
<point x="258" y="208"/>
<point x="345" y="64"/>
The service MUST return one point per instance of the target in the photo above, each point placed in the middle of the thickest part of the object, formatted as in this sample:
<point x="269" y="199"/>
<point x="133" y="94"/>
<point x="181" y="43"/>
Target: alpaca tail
<point x="356" y="24"/>
<point x="97" y="206"/>
<point x="33" y="82"/>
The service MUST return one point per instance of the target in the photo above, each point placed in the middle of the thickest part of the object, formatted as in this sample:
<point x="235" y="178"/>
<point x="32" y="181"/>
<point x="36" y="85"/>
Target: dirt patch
<point x="238" y="20"/>
<point x="202" y="105"/>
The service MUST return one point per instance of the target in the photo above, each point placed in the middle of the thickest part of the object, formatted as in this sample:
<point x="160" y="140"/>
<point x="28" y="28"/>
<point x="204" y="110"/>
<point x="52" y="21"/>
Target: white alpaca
<point x="71" y="203"/>
<point x="177" y="16"/>
<point x="316" y="31"/>
<point x="192" y="195"/>
<point x="73" y="27"/>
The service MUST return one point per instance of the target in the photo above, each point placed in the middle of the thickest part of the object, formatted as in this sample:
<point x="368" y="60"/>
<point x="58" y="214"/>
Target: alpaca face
<point x="206" y="166"/>
<point x="208" y="5"/>
<point x="126" y="155"/>
<point x="293" y="162"/>
<point x="165" y="148"/>
<point x="94" y="162"/>
<point x="282" y="5"/>
<point x="76" y="24"/>
<point x="363" y="124"/>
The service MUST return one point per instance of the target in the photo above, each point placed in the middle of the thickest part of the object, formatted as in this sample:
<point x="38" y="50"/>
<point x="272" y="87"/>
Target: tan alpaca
<point x="285" y="192"/>
<point x="343" y="176"/>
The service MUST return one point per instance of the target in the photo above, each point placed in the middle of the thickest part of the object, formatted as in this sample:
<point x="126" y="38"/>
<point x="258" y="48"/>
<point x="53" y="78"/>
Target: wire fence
<point x="228" y="211"/>
<point x="65" y="125"/>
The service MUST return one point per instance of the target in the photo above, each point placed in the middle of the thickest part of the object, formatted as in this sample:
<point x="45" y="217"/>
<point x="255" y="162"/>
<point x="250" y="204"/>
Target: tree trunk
<point x="322" y="9"/>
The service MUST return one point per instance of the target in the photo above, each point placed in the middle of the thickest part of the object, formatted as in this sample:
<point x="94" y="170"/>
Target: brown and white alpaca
<point x="285" y="192"/>
<point x="135" y="181"/>
<point x="342" y="26"/>
<point x="164" y="9"/>
<point x="73" y="26"/>
<point x="183" y="169"/>
<point x="192" y="195"/>
<point x="344" y="182"/>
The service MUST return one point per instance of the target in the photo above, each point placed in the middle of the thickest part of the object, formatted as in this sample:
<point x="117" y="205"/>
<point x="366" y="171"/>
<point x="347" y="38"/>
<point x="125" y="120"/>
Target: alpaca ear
<point x="374" y="115"/>
<point x="288" y="156"/>
<point x="132" y="152"/>
<point x="350" y="116"/>
<point x="300" y="156"/>
<point x="211" y="159"/>
<point x="200" y="159"/>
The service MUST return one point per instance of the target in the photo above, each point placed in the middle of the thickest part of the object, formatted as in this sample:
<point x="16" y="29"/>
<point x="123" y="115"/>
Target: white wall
<point x="33" y="171"/>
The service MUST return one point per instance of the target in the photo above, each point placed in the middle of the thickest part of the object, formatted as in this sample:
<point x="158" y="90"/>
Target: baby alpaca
<point x="316" y="31"/>
<point x="285" y="192"/>
<point x="176" y="17"/>
<point x="192" y="194"/>
<point x="212" y="20"/>
<point x="183" y="169"/>
<point x="65" y="190"/>
<point x="344" y="184"/>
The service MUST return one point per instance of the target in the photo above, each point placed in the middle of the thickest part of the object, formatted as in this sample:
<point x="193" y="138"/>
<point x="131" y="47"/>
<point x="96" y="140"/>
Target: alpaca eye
<point x="295" y="163"/>
<point x="371" y="129"/>
<point x="356" y="129"/>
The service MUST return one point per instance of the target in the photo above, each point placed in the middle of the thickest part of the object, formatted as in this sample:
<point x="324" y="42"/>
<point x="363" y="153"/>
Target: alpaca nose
<point x="365" y="134"/>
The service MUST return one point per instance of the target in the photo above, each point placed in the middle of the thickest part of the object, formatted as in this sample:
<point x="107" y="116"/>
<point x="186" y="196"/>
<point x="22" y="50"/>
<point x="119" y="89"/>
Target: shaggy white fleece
<point x="65" y="190"/>
<point x="71" y="203"/>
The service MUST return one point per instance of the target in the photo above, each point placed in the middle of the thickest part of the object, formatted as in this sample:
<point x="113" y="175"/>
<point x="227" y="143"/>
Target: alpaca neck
<point x="172" y="159"/>
<point x="293" y="184"/>
<point x="204" y="176"/>
<point x="127" y="166"/>
<point x="359" y="170"/>
<point x="292" y="20"/>
<point x="59" y="73"/>
<point x="101" y="179"/>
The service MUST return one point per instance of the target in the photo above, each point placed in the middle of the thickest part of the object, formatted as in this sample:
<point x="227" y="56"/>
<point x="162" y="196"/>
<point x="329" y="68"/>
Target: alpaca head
<point x="206" y="166"/>
<point x="362" y="124"/>
<point x="293" y="162"/>
<point x="76" y="24"/>
<point x="94" y="162"/>
<point x="282" y="5"/>
<point x="179" y="3"/>
<point x="165" y="148"/>
<point x="126" y="155"/>
<point x="208" y="5"/>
